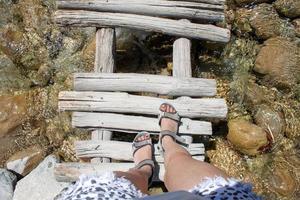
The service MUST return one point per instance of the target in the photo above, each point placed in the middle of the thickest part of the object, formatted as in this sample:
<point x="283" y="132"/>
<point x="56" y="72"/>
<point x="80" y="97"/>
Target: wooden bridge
<point x="101" y="101"/>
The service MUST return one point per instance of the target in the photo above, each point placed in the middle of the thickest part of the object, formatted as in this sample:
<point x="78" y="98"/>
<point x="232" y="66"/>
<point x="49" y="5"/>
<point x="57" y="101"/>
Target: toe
<point x="163" y="107"/>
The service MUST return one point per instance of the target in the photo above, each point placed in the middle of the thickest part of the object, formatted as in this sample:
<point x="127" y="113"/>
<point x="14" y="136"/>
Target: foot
<point x="143" y="153"/>
<point x="168" y="124"/>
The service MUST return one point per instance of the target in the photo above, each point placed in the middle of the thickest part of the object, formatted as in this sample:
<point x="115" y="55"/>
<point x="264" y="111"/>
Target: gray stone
<point x="40" y="184"/>
<point x="7" y="183"/>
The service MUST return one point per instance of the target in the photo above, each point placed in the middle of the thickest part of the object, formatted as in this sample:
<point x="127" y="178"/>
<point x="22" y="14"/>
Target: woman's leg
<point x="139" y="177"/>
<point x="182" y="171"/>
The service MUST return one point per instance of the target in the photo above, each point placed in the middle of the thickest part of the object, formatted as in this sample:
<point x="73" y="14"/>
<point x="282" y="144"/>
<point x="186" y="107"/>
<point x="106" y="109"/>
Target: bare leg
<point x="139" y="177"/>
<point x="182" y="171"/>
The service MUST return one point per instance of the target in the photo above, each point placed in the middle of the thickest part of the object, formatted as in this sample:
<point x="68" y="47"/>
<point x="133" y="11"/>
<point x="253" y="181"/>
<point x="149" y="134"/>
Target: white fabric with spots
<point x="110" y="187"/>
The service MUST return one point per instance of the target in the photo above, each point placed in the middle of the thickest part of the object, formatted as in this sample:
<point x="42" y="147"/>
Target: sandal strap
<point x="173" y="135"/>
<point x="173" y="116"/>
<point x="150" y="163"/>
<point x="137" y="145"/>
<point x="144" y="163"/>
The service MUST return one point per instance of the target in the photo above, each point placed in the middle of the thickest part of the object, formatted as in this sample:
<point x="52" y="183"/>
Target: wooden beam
<point x="139" y="22"/>
<point x="104" y="62"/>
<point x="182" y="64"/>
<point x="122" y="151"/>
<point x="70" y="172"/>
<point x="217" y="2"/>
<point x="135" y="124"/>
<point x="157" y="8"/>
<point x="132" y="82"/>
<point x="125" y="103"/>
<point x="105" y="50"/>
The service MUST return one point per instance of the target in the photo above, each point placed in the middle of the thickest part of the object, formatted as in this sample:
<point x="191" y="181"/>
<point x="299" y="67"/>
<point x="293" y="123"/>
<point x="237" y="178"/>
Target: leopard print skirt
<point x="110" y="187"/>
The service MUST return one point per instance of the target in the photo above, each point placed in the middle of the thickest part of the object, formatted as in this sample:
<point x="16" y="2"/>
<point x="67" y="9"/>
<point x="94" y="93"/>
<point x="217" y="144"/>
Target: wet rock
<point x="266" y="22"/>
<point x="243" y="2"/>
<point x="23" y="162"/>
<point x="296" y="24"/>
<point x="283" y="181"/>
<point x="12" y="112"/>
<point x="270" y="120"/>
<point x="7" y="184"/>
<point x="248" y="138"/>
<point x="40" y="183"/>
<point x="279" y="60"/>
<point x="288" y="8"/>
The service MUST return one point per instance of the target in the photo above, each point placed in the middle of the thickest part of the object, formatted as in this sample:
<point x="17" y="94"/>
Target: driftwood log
<point x="139" y="22"/>
<point x="157" y="8"/>
<point x="182" y="64"/>
<point x="125" y="103"/>
<point x="135" y="124"/>
<point x="104" y="62"/>
<point x="133" y="82"/>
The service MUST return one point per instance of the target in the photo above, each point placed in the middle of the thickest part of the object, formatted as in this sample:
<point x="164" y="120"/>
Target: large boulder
<point x="40" y="183"/>
<point x="266" y="22"/>
<point x="25" y="161"/>
<point x="288" y="8"/>
<point x="7" y="184"/>
<point x="246" y="137"/>
<point x="279" y="60"/>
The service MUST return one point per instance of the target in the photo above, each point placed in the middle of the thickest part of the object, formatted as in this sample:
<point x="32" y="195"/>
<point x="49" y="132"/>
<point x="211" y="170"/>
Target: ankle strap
<point x="173" y="135"/>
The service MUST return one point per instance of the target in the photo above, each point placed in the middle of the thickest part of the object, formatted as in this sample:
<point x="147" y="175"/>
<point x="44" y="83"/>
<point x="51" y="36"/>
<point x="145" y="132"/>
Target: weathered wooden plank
<point x="131" y="82"/>
<point x="104" y="62"/>
<point x="105" y="50"/>
<point x="125" y="103"/>
<point x="70" y="172"/>
<point x="145" y="23"/>
<point x="182" y="64"/>
<point x="123" y="150"/>
<point x="158" y="8"/>
<point x="217" y="2"/>
<point x="134" y="124"/>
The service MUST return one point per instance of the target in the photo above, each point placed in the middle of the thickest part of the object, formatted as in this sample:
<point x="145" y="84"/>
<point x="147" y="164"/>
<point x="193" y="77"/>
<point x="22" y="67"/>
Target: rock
<point x="58" y="128"/>
<point x="243" y="2"/>
<point x="248" y="138"/>
<point x="279" y="60"/>
<point x="42" y="76"/>
<point x="266" y="22"/>
<point x="23" y="162"/>
<point x="270" y="120"/>
<point x="10" y="76"/>
<point x="288" y="8"/>
<point x="241" y="24"/>
<point x="7" y="184"/>
<point x="40" y="183"/>
<point x="283" y="182"/>
<point x="254" y="95"/>
<point x="12" y="112"/>
<point x="296" y="24"/>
